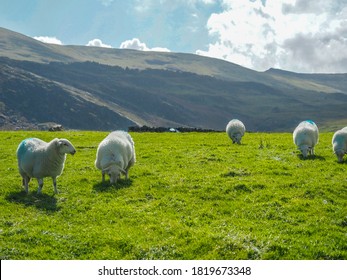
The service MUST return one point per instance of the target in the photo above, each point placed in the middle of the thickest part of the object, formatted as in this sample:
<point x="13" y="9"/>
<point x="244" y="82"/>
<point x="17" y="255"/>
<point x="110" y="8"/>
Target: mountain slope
<point x="19" y="47"/>
<point x="320" y="82"/>
<point x="38" y="100"/>
<point x="104" y="89"/>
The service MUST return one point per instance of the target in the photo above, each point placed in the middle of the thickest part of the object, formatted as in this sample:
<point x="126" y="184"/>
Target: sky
<point x="307" y="36"/>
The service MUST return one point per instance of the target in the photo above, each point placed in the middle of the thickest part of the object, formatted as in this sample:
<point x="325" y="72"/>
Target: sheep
<point x="339" y="143"/>
<point x="305" y="137"/>
<point x="39" y="159"/>
<point x="235" y="130"/>
<point x="115" y="155"/>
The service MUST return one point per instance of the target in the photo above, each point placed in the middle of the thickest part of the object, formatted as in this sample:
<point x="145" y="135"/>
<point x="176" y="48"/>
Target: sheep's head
<point x="65" y="147"/>
<point x="340" y="153"/>
<point x="304" y="149"/>
<point x="113" y="171"/>
<point x="236" y="138"/>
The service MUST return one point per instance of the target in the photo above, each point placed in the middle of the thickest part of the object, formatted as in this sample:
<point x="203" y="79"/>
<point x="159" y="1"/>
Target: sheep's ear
<point x="107" y="166"/>
<point x="56" y="142"/>
<point x="106" y="169"/>
<point x="122" y="170"/>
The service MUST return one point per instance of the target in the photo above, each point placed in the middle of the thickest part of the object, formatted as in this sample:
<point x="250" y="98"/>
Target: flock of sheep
<point x="39" y="159"/>
<point x="116" y="153"/>
<point x="305" y="137"/>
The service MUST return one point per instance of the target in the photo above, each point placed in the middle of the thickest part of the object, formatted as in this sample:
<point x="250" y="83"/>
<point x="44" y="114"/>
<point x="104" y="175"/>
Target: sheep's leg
<point x="55" y="184"/>
<point x="40" y="181"/>
<point x="127" y="172"/>
<point x="131" y="163"/>
<point x="103" y="176"/>
<point x="25" y="182"/>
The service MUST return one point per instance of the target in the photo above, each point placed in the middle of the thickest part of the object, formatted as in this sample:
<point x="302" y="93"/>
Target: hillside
<point x="103" y="89"/>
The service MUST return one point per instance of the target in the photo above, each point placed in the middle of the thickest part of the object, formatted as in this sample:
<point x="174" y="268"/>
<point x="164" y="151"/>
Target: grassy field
<point x="189" y="196"/>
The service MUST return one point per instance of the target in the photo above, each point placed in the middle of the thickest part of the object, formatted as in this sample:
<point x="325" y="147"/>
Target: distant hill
<point x="104" y="89"/>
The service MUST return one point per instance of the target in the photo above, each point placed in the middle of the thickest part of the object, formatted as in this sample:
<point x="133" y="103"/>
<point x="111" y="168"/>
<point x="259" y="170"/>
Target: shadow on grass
<point x="107" y="186"/>
<point x="310" y="157"/>
<point x="40" y="201"/>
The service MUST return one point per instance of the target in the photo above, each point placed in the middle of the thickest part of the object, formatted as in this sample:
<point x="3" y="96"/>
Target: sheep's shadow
<point x="107" y="186"/>
<point x="311" y="157"/>
<point x="40" y="201"/>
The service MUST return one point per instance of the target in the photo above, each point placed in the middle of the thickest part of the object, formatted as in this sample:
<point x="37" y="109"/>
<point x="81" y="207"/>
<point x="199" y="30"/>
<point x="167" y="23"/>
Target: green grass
<point x="189" y="196"/>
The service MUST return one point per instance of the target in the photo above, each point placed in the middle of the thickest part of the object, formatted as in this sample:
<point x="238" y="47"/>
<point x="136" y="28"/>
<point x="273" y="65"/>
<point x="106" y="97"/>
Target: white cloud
<point x="159" y="49"/>
<point x="97" y="43"/>
<point x="136" y="44"/>
<point x="48" y="40"/>
<point x="302" y="35"/>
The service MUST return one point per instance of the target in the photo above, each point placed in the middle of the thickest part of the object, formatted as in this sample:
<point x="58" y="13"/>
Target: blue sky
<point x="295" y="35"/>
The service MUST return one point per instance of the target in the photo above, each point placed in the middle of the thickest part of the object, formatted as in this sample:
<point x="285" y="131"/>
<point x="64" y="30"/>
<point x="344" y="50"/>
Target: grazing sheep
<point x="305" y="137"/>
<point x="235" y="130"/>
<point x="115" y="155"/>
<point x="39" y="159"/>
<point x="339" y="143"/>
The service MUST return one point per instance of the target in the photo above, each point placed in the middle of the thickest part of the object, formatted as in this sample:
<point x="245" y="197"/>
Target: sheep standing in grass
<point x="339" y="143"/>
<point x="235" y="130"/>
<point x="39" y="159"/>
<point x="305" y="137"/>
<point x="115" y="155"/>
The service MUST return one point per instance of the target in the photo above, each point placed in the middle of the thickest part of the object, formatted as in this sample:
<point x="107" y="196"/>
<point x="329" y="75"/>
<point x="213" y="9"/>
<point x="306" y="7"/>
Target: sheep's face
<point x="65" y="147"/>
<point x="340" y="153"/>
<point x="113" y="171"/>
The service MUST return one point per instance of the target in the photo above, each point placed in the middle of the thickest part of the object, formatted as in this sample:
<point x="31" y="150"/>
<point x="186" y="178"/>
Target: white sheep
<point x="39" y="159"/>
<point x="339" y="143"/>
<point x="235" y="130"/>
<point x="305" y="137"/>
<point x="115" y="155"/>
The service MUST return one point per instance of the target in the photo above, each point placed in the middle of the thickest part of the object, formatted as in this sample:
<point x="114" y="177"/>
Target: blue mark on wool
<point x="310" y="121"/>
<point x="22" y="147"/>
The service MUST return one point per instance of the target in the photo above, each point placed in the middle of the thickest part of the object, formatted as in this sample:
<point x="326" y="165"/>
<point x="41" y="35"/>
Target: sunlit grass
<point x="189" y="196"/>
